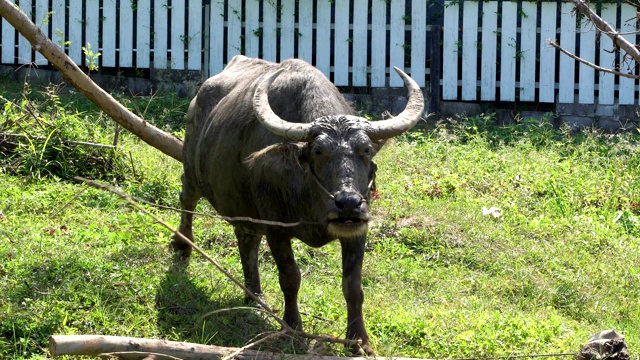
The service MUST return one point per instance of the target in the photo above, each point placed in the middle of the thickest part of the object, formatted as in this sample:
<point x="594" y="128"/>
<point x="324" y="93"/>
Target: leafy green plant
<point x="91" y="58"/>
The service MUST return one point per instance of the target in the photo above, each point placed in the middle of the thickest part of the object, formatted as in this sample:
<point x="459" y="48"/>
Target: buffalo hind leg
<point x="289" y="276"/>
<point x="352" y="255"/>
<point x="248" y="245"/>
<point x="188" y="201"/>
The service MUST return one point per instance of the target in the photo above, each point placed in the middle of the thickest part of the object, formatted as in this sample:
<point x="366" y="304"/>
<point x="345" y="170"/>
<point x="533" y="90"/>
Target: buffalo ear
<point x="372" y="175"/>
<point x="303" y="152"/>
<point x="380" y="143"/>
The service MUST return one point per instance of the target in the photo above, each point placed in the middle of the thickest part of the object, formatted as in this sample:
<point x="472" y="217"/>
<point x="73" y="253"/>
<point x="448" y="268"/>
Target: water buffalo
<point x="278" y="142"/>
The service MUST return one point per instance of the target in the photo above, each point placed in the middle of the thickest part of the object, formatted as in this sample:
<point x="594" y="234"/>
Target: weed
<point x="91" y="58"/>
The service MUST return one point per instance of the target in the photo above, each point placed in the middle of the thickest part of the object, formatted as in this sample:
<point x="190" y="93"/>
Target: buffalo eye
<point x="366" y="151"/>
<point x="320" y="150"/>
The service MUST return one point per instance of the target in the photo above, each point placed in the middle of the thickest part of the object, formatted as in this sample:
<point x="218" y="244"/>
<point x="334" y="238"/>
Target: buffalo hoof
<point x="363" y="350"/>
<point x="180" y="248"/>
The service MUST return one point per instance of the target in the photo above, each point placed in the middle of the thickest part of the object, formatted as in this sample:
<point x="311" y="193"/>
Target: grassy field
<point x="560" y="262"/>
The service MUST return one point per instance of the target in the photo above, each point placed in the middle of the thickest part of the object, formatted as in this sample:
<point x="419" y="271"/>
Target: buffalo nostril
<point x="348" y="201"/>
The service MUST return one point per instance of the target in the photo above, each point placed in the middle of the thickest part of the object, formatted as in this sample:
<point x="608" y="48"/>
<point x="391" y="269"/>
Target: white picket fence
<point x="177" y="34"/>
<point x="508" y="58"/>
<point x="490" y="50"/>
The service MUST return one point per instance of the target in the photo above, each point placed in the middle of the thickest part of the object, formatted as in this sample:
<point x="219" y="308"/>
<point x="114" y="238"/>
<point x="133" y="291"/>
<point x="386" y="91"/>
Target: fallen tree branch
<point x="136" y="355"/>
<point x="285" y="327"/>
<point x="579" y="59"/>
<point x="150" y="134"/>
<point x="137" y="348"/>
<point x="234" y="354"/>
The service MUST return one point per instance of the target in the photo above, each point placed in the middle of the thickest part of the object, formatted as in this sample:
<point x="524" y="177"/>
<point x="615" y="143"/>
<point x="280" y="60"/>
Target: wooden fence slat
<point x="606" y="83"/>
<point x="75" y="31"/>
<point x="24" y="47"/>
<point x="508" y="52"/>
<point x="527" y="55"/>
<point x="194" y="31"/>
<point x="396" y="43"/>
<point x="566" y="82"/>
<point x="92" y="29"/>
<point x="305" y="30"/>
<point x="43" y="20"/>
<point x="488" y="70"/>
<point x="126" y="34"/>
<point x="450" y="51"/>
<point x="58" y="20"/>
<point x="252" y="28"/>
<point x="586" y="75"/>
<point x="378" y="42"/>
<point x="216" y="38"/>
<point x="360" y="35"/>
<point x="143" y="34"/>
<point x="8" y="43"/>
<point x="287" y="30"/>
<point x="626" y="88"/>
<point x="109" y="21"/>
<point x="469" y="50"/>
<point x="548" y="13"/>
<point x="341" y="46"/>
<point x="160" y="35"/>
<point x="178" y="36"/>
<point x="269" y="32"/>
<point x="323" y="38"/>
<point x="419" y="42"/>
<point x="234" y="29"/>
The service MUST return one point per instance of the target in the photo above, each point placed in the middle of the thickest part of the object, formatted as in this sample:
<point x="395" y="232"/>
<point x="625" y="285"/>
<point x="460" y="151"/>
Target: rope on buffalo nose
<point x="317" y="181"/>
<point x="285" y="327"/>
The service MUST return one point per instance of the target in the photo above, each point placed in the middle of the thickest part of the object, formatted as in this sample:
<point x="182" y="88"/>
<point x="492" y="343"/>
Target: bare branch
<point x="285" y="327"/>
<point x="603" y="26"/>
<point x="250" y="345"/>
<point x="599" y="68"/>
<point x="136" y="355"/>
<point x="128" y="198"/>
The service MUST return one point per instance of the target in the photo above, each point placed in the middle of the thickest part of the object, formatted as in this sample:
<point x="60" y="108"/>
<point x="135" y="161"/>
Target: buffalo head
<point x="338" y="150"/>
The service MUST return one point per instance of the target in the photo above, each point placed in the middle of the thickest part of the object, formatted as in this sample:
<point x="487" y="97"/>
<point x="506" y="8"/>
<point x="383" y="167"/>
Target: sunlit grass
<point x="441" y="279"/>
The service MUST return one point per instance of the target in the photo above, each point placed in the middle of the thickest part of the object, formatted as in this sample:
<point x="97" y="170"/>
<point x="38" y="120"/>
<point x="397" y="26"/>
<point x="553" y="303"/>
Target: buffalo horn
<point x="266" y="116"/>
<point x="385" y="129"/>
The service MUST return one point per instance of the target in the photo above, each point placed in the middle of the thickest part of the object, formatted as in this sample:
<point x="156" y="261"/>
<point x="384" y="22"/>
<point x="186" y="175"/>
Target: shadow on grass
<point x="182" y="306"/>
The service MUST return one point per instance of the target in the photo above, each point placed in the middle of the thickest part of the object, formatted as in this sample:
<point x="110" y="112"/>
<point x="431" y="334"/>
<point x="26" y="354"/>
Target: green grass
<point x="441" y="280"/>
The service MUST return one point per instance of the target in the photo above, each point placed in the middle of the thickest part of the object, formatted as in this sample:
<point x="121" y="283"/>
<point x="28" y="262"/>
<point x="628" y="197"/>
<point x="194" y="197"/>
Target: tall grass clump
<point x="51" y="131"/>
<point x="42" y="133"/>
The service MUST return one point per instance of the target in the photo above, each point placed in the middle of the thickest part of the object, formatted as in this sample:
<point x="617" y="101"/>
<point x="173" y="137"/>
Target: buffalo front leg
<point x="289" y="276"/>
<point x="248" y="245"/>
<point x="352" y="255"/>
<point x="188" y="201"/>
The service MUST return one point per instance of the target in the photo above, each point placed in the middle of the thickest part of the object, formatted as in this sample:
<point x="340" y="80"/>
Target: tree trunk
<point x="153" y="136"/>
